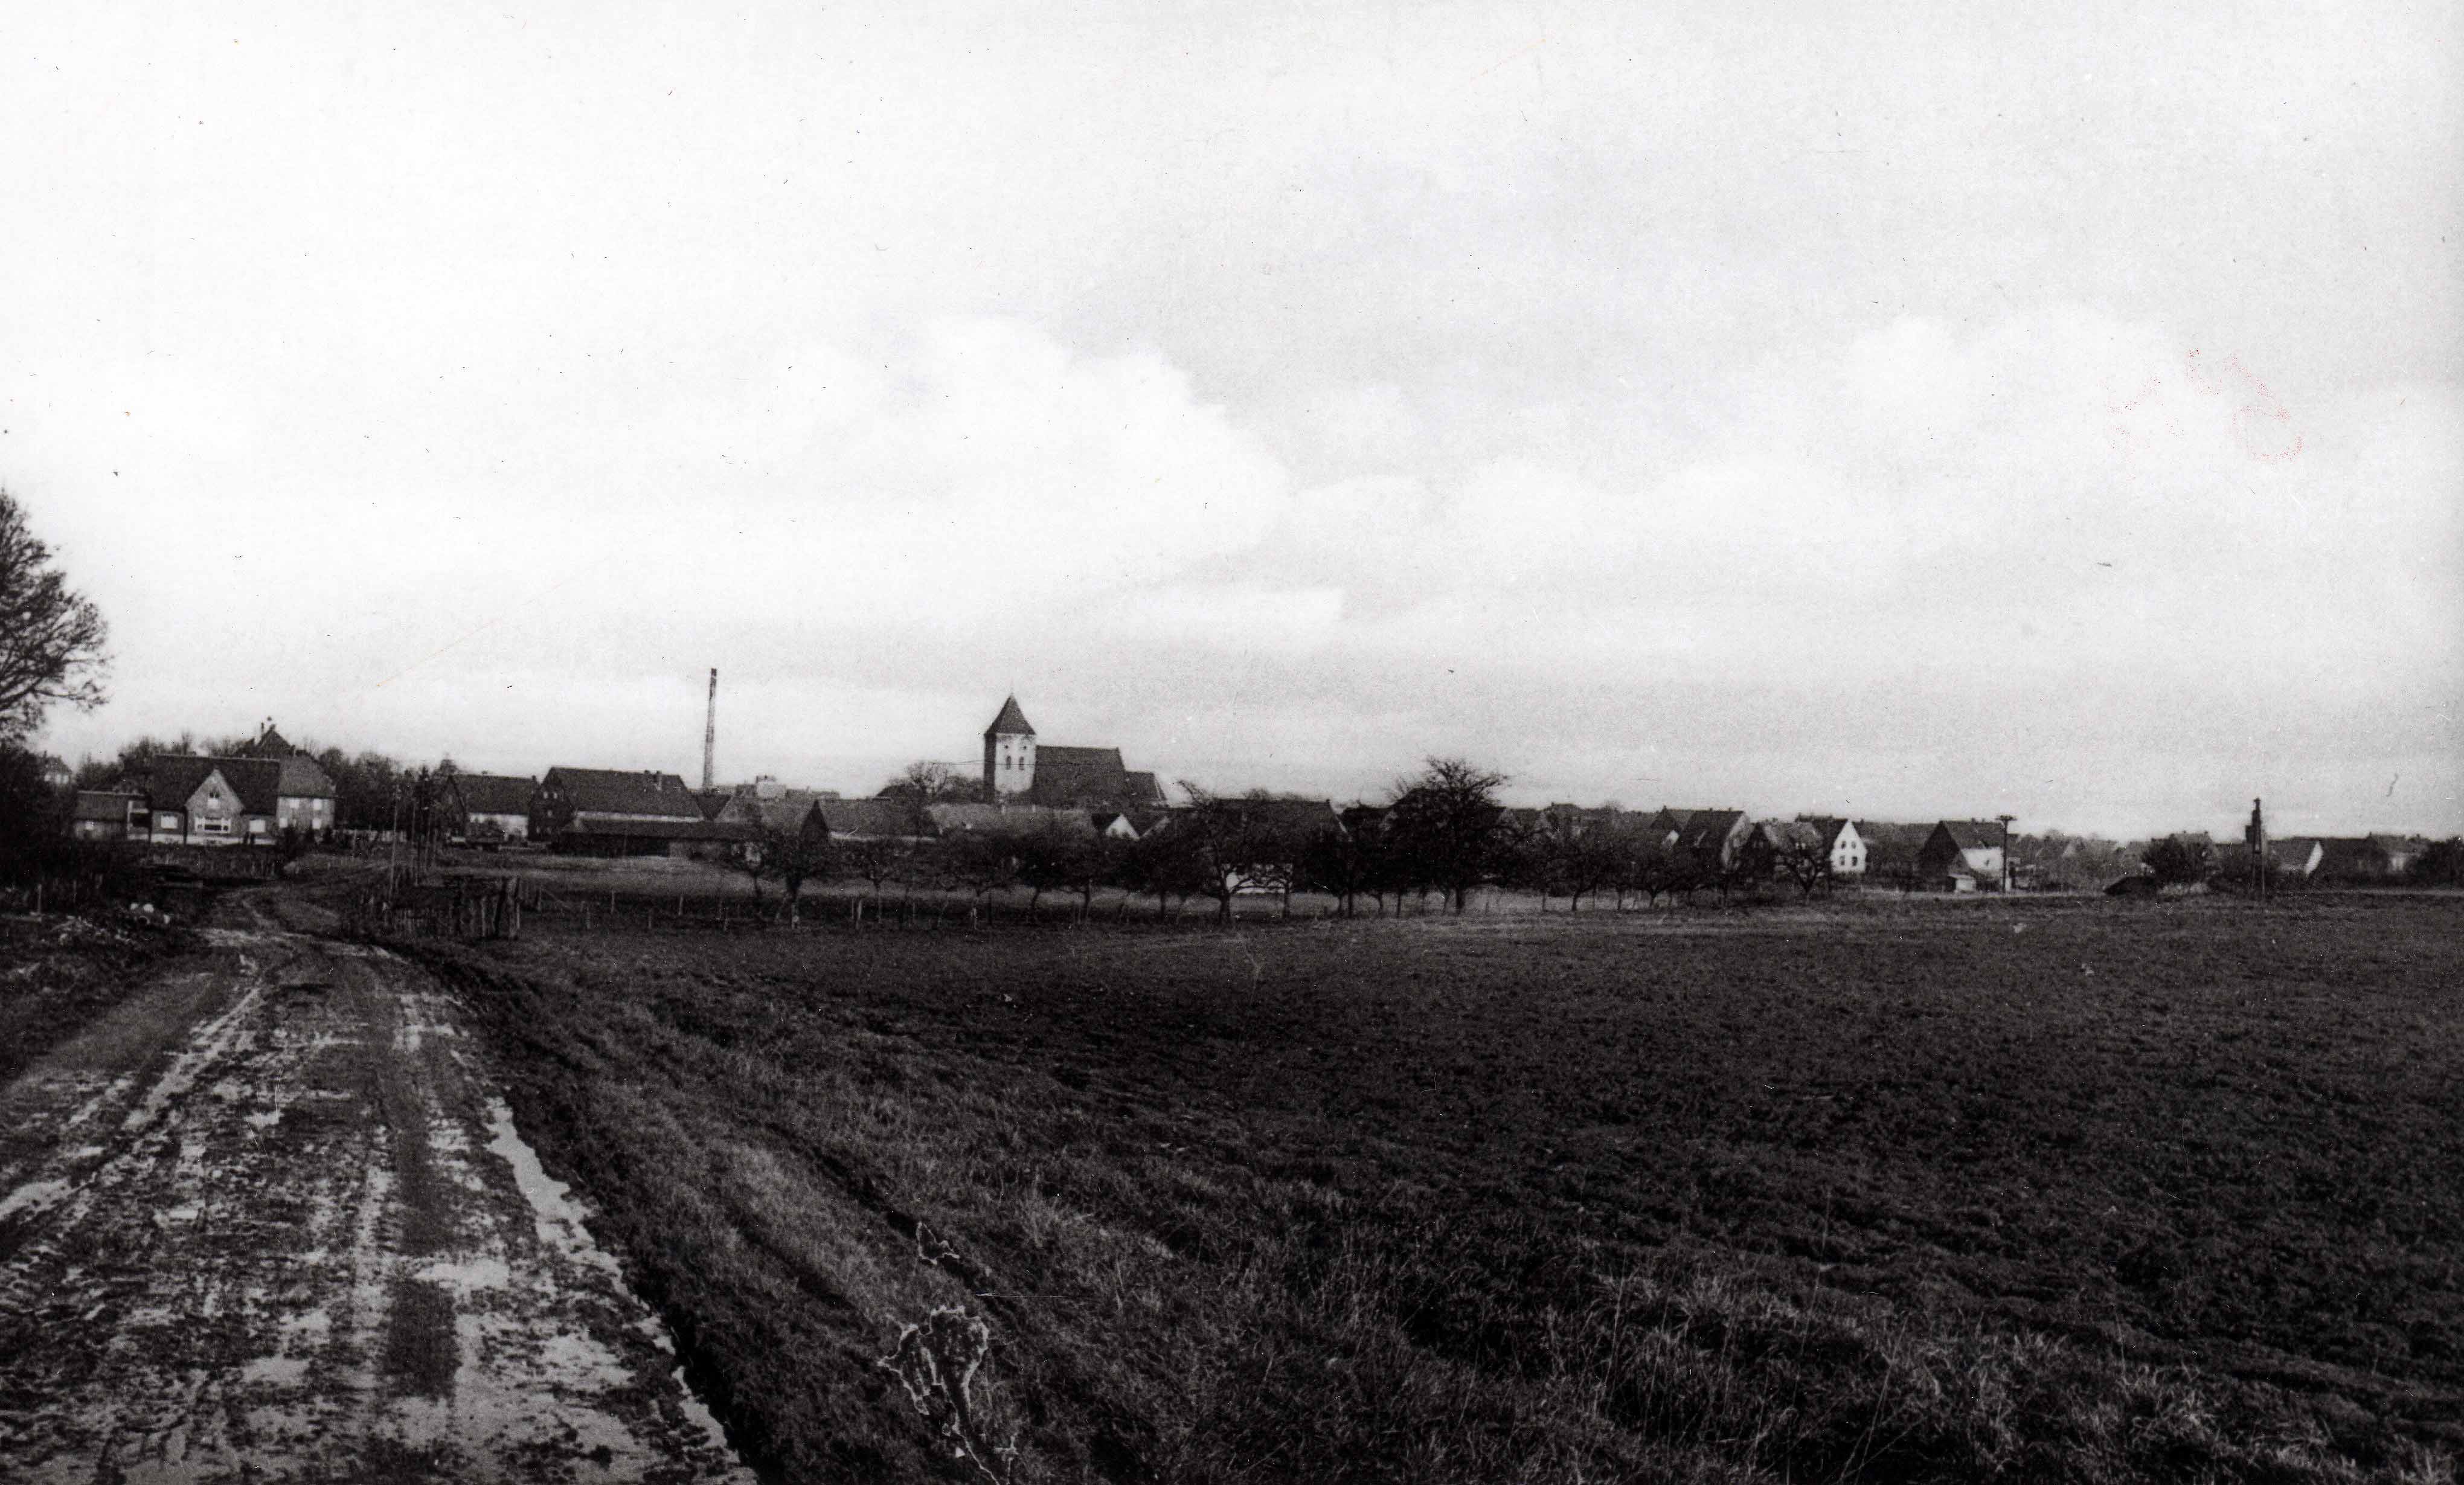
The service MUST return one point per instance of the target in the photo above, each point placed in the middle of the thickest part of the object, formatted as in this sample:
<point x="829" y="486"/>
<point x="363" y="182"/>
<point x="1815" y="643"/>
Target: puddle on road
<point x="560" y="1221"/>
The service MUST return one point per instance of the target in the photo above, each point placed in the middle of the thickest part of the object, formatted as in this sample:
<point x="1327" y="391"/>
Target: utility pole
<point x="2007" y="876"/>
<point x="709" y="736"/>
<point x="2254" y="836"/>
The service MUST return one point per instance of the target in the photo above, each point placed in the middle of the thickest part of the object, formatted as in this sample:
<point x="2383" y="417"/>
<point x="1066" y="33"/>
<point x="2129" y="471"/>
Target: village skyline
<point x="2061" y="416"/>
<point x="858" y="780"/>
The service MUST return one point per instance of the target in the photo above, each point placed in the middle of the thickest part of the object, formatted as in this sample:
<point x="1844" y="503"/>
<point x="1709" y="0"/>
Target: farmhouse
<point x="1962" y="856"/>
<point x="2375" y="857"/>
<point x="950" y="819"/>
<point x="489" y="808"/>
<point x="1846" y="846"/>
<point x="109" y="815"/>
<point x="1017" y="767"/>
<point x="1713" y="837"/>
<point x="617" y="812"/>
<point x="304" y="796"/>
<point x="1664" y="828"/>
<point x="2296" y="856"/>
<point x="872" y="820"/>
<point x="213" y="801"/>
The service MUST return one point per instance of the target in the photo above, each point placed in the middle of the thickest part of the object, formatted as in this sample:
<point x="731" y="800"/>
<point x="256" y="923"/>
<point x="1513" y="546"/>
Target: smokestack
<point x="709" y="736"/>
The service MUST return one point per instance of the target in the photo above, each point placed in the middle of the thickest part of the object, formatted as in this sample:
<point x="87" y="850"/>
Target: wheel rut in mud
<point x="269" y="1219"/>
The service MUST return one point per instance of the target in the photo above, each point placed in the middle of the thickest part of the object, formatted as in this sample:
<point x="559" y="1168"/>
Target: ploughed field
<point x="1896" y="1191"/>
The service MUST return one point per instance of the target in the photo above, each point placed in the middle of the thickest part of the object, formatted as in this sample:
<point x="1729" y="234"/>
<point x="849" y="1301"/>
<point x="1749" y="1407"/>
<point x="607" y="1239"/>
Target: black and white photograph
<point x="1215" y="742"/>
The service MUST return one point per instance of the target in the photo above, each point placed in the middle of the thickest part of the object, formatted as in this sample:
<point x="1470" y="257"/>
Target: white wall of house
<point x="303" y="812"/>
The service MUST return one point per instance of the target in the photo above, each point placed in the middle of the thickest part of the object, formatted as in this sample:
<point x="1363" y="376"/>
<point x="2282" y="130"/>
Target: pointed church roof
<point x="1011" y="720"/>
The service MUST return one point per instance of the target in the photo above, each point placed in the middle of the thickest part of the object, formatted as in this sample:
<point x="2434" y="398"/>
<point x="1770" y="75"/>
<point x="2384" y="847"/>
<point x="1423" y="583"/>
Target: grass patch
<point x="1892" y="1191"/>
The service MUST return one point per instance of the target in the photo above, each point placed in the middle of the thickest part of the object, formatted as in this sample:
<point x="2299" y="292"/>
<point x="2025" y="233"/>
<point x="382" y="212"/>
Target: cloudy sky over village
<point x="1920" y="411"/>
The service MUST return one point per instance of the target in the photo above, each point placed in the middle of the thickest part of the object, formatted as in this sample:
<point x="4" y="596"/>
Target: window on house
<point x="213" y="827"/>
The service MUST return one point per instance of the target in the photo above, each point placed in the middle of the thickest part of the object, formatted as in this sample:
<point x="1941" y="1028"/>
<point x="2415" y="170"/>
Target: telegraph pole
<point x="2007" y="876"/>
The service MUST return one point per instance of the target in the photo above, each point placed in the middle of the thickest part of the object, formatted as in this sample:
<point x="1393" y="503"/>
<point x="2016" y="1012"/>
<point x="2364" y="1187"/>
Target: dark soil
<point x="57" y="973"/>
<point x="2088" y="1191"/>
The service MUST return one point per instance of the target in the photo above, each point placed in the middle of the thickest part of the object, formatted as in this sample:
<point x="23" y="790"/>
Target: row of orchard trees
<point x="1443" y="836"/>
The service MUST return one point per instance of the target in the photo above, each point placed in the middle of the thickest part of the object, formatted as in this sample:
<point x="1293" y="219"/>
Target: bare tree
<point x="1231" y="848"/>
<point x="919" y="786"/>
<point x="51" y="637"/>
<point x="795" y="856"/>
<point x="875" y="859"/>
<point x="1446" y="824"/>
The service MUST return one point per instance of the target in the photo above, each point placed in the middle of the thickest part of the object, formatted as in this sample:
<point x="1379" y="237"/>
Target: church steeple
<point x="1009" y="752"/>
<point x="1011" y="720"/>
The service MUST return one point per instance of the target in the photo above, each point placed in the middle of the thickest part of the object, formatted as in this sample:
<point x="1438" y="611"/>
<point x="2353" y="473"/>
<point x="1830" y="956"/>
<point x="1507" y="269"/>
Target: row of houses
<point x="2374" y="858"/>
<point x="273" y="789"/>
<point x="1950" y="855"/>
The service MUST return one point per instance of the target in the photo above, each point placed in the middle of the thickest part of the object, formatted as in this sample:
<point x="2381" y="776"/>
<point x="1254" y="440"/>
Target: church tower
<point x="1009" y="752"/>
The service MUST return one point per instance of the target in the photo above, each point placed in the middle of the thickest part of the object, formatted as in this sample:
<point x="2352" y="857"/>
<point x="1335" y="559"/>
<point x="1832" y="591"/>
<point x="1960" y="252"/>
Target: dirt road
<point x="270" y="1221"/>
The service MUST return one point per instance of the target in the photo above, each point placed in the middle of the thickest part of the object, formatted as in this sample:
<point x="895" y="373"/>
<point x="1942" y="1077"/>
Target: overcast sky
<point x="1914" y="412"/>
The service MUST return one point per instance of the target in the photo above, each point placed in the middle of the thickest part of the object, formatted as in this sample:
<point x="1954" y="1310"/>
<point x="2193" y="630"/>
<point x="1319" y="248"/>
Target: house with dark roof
<point x="961" y="819"/>
<point x="872" y="819"/>
<point x="213" y="801"/>
<point x="1963" y="856"/>
<point x="621" y="812"/>
<point x="1839" y="838"/>
<point x="109" y="815"/>
<point x="304" y="797"/>
<point x="1667" y="825"/>
<point x="2372" y="858"/>
<point x="488" y="809"/>
<point x="1714" y="837"/>
<point x="2296" y="856"/>
<point x="1017" y="766"/>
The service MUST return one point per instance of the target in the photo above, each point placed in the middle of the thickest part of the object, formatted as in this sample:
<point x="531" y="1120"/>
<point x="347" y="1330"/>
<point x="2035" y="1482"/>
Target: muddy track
<point x="271" y="1220"/>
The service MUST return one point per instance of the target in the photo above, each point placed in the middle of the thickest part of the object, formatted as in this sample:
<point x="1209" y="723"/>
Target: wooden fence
<point x="469" y="908"/>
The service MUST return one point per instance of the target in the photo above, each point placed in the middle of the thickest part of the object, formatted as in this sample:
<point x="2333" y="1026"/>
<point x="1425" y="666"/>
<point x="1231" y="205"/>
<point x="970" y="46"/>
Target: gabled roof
<point x="1973" y="835"/>
<point x="714" y="800"/>
<point x="787" y="816"/>
<point x="171" y="779"/>
<point x="1803" y="833"/>
<point x="955" y="817"/>
<point x="269" y="744"/>
<point x="1708" y="828"/>
<point x="1829" y="828"/>
<point x="1669" y="821"/>
<point x="494" y="793"/>
<point x="2293" y="852"/>
<point x="303" y="779"/>
<point x="104" y="804"/>
<point x="1883" y="833"/>
<point x="1068" y="777"/>
<point x="885" y="819"/>
<point x="601" y="791"/>
<point x="692" y="828"/>
<point x="1011" y="720"/>
<point x="1139" y="787"/>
